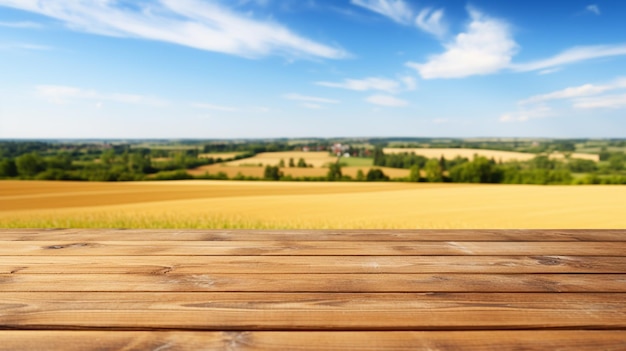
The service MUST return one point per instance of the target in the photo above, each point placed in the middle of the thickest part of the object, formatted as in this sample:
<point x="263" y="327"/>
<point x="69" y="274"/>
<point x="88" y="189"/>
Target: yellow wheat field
<point x="503" y="156"/>
<point x="317" y="205"/>
<point x="222" y="155"/>
<point x="315" y="158"/>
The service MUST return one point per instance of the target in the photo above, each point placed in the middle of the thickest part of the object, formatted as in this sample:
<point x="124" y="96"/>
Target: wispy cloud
<point x="431" y="21"/>
<point x="428" y="19"/>
<point x="577" y="54"/>
<point x="23" y="25"/>
<point x="198" y="24"/>
<point x="397" y="10"/>
<point x="586" y="96"/>
<point x="61" y="94"/>
<point x="386" y="100"/>
<point x="576" y="92"/>
<point x="373" y="83"/>
<point x="606" y="101"/>
<point x="526" y="114"/>
<point x="485" y="47"/>
<point x="24" y="46"/>
<point x="309" y="99"/>
<point x="593" y="8"/>
<point x="214" y="107"/>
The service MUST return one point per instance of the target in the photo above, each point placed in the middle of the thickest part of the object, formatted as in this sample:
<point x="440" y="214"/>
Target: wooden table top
<point x="312" y="290"/>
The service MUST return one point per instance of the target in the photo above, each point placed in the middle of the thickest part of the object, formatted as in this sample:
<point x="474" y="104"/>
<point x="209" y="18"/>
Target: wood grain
<point x="313" y="290"/>
<point x="306" y="248"/>
<point x="487" y="283"/>
<point x="309" y="264"/>
<point x="308" y="341"/>
<point x="312" y="311"/>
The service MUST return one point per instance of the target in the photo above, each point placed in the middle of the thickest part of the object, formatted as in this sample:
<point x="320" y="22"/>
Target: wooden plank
<point x="312" y="311"/>
<point x="309" y="264"/>
<point x="314" y="282"/>
<point x="591" y="340"/>
<point x="311" y="235"/>
<point x="307" y="248"/>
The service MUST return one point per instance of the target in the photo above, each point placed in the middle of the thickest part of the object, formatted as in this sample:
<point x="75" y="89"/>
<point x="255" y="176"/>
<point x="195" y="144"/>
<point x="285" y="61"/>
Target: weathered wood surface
<point x="310" y="290"/>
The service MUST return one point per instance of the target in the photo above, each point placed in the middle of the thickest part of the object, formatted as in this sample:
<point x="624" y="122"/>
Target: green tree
<point x="30" y="164"/>
<point x="616" y="161"/>
<point x="8" y="168"/>
<point x="334" y="172"/>
<point x="479" y="170"/>
<point x="291" y="163"/>
<point x="360" y="176"/>
<point x="62" y="161"/>
<point x="434" y="172"/>
<point x="281" y="163"/>
<point x="108" y="157"/>
<point x="302" y="163"/>
<point x="415" y="175"/>
<point x="376" y="174"/>
<point x="272" y="173"/>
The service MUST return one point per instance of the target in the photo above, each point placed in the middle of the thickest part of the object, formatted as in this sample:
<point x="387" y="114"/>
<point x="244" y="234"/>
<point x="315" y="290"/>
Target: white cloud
<point x="486" y="47"/>
<point x="386" y="100"/>
<point x="549" y="71"/>
<point x="365" y="84"/>
<point x="577" y="54"/>
<point x="25" y="46"/>
<point x="193" y="23"/>
<point x="312" y="106"/>
<point x="593" y="9"/>
<point x="214" y="107"/>
<point x="525" y="115"/>
<point x="606" y="101"/>
<point x="576" y="92"/>
<point x="60" y="94"/>
<point x="397" y="10"/>
<point x="586" y="96"/>
<point x="310" y="99"/>
<point x="409" y="82"/>
<point x="430" y="21"/>
<point x="22" y="25"/>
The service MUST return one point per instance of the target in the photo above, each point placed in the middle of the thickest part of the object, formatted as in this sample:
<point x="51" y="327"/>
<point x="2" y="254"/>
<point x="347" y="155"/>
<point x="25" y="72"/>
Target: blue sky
<point x="312" y="68"/>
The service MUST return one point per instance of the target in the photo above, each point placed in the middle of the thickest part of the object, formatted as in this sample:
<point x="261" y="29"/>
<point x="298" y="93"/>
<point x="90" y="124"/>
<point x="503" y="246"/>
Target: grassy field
<point x="291" y="205"/>
<point x="503" y="156"/>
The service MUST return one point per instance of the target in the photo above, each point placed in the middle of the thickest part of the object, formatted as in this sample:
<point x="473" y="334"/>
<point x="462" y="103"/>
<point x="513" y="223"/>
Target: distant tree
<point x="616" y="161"/>
<point x="414" y="175"/>
<point x="376" y="174"/>
<point x="108" y="157"/>
<point x="8" y="168"/>
<point x="302" y="163"/>
<point x="334" y="172"/>
<point x="434" y="172"/>
<point x="360" y="176"/>
<point x="30" y="164"/>
<point x="272" y="173"/>
<point x="479" y="170"/>
<point x="291" y="163"/>
<point x="281" y="163"/>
